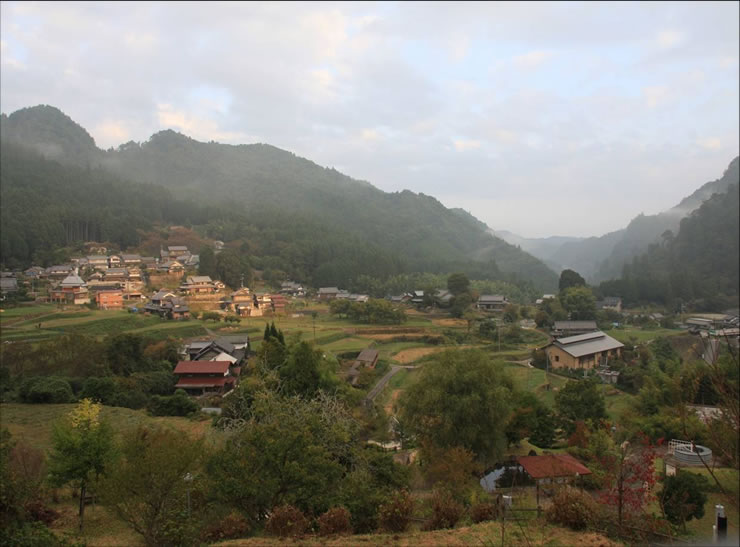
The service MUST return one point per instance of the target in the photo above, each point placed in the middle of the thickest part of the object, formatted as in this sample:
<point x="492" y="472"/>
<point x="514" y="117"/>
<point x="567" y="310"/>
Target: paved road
<point x="384" y="380"/>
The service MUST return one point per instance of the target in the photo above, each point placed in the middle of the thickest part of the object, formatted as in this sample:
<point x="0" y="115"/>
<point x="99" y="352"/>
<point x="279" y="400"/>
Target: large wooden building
<point x="584" y="351"/>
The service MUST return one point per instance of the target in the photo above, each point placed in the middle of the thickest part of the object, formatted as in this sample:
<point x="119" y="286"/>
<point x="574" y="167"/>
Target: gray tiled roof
<point x="587" y="344"/>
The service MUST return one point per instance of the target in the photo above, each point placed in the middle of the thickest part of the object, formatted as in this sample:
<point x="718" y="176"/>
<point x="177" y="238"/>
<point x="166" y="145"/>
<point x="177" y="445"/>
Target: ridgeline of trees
<point x="698" y="265"/>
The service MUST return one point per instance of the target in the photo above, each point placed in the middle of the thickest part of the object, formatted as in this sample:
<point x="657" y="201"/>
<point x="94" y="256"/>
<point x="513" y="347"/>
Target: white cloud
<point x="533" y="59"/>
<point x="462" y="145"/>
<point x="710" y="143"/>
<point x="198" y="128"/>
<point x="655" y="95"/>
<point x="369" y="135"/>
<point x="667" y="39"/>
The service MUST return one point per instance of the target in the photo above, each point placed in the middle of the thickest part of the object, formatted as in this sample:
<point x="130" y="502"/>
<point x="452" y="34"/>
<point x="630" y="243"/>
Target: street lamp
<point x="188" y="478"/>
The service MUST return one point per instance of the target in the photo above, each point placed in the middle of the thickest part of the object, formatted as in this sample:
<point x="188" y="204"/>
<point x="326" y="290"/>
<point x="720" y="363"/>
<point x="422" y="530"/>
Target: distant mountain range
<point x="602" y="258"/>
<point x="275" y="187"/>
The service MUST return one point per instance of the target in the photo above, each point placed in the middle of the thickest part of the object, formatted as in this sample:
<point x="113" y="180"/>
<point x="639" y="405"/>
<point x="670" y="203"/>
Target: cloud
<point x="655" y="95"/>
<point x="369" y="135"/>
<point x="461" y="145"/>
<point x="710" y="143"/>
<point x="198" y="128"/>
<point x="533" y="59"/>
<point x="667" y="39"/>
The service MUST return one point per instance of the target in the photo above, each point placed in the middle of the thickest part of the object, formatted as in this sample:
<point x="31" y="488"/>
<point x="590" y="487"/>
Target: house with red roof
<point x="201" y="377"/>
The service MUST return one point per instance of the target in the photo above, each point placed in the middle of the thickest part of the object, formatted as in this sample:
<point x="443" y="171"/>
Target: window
<point x="557" y="358"/>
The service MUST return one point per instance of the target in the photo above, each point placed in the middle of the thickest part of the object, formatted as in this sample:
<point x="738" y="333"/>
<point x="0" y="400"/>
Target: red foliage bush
<point x="335" y="521"/>
<point x="572" y="508"/>
<point x="394" y="516"/>
<point x="483" y="511"/>
<point x="231" y="526"/>
<point x="445" y="511"/>
<point x="38" y="510"/>
<point x="286" y="521"/>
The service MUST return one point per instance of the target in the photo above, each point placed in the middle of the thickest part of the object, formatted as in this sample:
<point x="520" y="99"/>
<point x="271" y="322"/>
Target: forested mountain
<point x="544" y="248"/>
<point x="698" y="265"/>
<point x="601" y="258"/>
<point x="253" y="191"/>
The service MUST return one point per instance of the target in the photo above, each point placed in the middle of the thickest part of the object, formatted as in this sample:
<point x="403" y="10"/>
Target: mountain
<point x="698" y="265"/>
<point x="601" y="258"/>
<point x="275" y="188"/>
<point x="543" y="248"/>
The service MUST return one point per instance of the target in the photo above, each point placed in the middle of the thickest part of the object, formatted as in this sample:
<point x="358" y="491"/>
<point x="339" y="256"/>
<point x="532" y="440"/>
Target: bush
<point x="483" y="511"/>
<point x="178" y="404"/>
<point x="37" y="510"/>
<point x="394" y="516"/>
<point x="286" y="521"/>
<point x="572" y="508"/>
<point x="231" y="526"/>
<point x="335" y="521"/>
<point x="445" y="511"/>
<point x="46" y="390"/>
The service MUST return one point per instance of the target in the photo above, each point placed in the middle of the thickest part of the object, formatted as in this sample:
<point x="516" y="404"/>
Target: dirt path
<point x="383" y="381"/>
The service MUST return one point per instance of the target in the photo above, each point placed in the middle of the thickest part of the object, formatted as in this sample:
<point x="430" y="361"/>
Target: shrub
<point x="572" y="508"/>
<point x="445" y="511"/>
<point x="483" y="511"/>
<point x="394" y="516"/>
<point x="46" y="390"/>
<point x="286" y="521"/>
<point x="231" y="526"/>
<point x="37" y="510"/>
<point x="335" y="521"/>
<point x="178" y="404"/>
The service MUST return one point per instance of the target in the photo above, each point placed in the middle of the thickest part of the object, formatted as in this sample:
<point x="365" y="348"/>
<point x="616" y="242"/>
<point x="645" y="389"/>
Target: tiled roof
<point x="202" y="367"/>
<point x="552" y="465"/>
<point x="368" y="355"/>
<point x="587" y="344"/>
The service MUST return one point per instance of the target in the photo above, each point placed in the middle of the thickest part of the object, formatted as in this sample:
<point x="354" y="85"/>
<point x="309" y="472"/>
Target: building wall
<point x="561" y="359"/>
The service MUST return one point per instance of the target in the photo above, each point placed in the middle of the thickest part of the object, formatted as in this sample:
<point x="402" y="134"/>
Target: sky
<point x="561" y="118"/>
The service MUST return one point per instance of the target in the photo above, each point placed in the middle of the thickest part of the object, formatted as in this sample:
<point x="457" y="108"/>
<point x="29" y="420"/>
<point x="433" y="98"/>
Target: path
<point x="370" y="397"/>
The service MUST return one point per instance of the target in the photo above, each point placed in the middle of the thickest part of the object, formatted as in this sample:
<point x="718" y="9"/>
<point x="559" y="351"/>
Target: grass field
<point x="629" y="334"/>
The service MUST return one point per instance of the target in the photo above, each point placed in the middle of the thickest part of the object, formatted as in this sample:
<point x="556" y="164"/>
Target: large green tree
<point x="82" y="450"/>
<point x="570" y="278"/>
<point x="579" y="303"/>
<point x="580" y="400"/>
<point x="152" y="484"/>
<point x="461" y="399"/>
<point x="683" y="497"/>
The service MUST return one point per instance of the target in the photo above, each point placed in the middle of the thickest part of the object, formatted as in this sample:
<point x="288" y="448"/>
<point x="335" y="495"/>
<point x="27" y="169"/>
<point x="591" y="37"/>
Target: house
<point x="170" y="267"/>
<point x="115" y="261"/>
<point x="278" y="303"/>
<point x="58" y="272"/>
<point x="699" y="323"/>
<point x="34" y="272"/>
<point x="417" y="298"/>
<point x="292" y="289"/>
<point x="109" y="299"/>
<point x="492" y="302"/>
<point x="263" y="302"/>
<point x="367" y="358"/>
<point x="173" y="251"/>
<point x="116" y="274"/>
<point x="234" y="349"/>
<point x="148" y="262"/>
<point x="200" y="377"/>
<point x="99" y="262"/>
<point x="328" y="293"/>
<point x="443" y="298"/>
<point x="584" y="351"/>
<point x="166" y="304"/>
<point x="544" y="297"/>
<point x="198" y="284"/>
<point x="72" y="290"/>
<point x="552" y="468"/>
<point x="131" y="260"/>
<point x="572" y="328"/>
<point x="8" y="285"/>
<point x="352" y="297"/>
<point x="610" y="303"/>
<point x="192" y="261"/>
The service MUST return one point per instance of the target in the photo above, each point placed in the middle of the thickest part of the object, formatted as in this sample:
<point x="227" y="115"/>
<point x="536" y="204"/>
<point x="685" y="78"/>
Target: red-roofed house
<point x="200" y="377"/>
<point x="550" y="468"/>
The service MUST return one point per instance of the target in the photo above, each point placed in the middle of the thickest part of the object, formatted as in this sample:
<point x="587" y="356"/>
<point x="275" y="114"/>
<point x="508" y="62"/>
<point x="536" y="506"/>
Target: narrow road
<point x="370" y="397"/>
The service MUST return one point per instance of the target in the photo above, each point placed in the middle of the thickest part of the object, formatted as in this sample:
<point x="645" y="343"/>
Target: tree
<point x="148" y="489"/>
<point x="305" y="371"/>
<point x="82" y="449"/>
<point x="207" y="262"/>
<point x="291" y="450"/>
<point x="458" y="283"/>
<point x="460" y="304"/>
<point x="570" y="278"/>
<point x="580" y="400"/>
<point x="683" y="497"/>
<point x="579" y="303"/>
<point x="461" y="399"/>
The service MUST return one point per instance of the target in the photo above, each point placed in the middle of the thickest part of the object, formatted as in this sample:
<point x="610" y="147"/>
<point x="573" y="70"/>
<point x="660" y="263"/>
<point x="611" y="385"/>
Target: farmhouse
<point x="549" y="468"/>
<point x="99" y="262"/>
<point x="72" y="290"/>
<point x="584" y="351"/>
<point x="292" y="289"/>
<point x="109" y="299"/>
<point x="610" y="303"/>
<point x="198" y="284"/>
<point x="200" y="377"/>
<point x="367" y="358"/>
<point x="572" y="328"/>
<point x="492" y="302"/>
<point x="328" y="293"/>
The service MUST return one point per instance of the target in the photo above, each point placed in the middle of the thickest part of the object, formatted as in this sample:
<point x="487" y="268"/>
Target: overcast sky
<point x="540" y="118"/>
